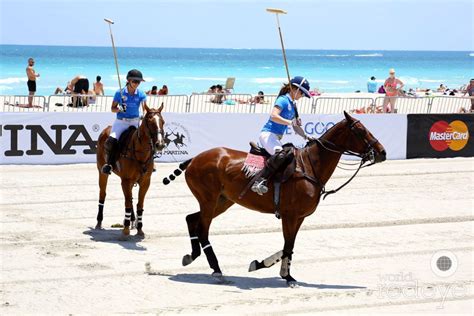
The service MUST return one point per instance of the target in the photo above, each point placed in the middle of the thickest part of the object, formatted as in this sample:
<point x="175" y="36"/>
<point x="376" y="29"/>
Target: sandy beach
<point x="366" y="249"/>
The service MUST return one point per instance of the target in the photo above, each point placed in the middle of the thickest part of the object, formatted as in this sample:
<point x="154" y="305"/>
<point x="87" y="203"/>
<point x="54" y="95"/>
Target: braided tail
<point x="176" y="172"/>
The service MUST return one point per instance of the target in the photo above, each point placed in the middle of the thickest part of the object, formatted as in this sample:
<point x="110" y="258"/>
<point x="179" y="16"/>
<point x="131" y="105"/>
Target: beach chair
<point x="229" y="85"/>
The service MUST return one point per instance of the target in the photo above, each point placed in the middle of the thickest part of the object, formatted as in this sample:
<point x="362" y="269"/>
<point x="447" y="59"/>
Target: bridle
<point x="367" y="156"/>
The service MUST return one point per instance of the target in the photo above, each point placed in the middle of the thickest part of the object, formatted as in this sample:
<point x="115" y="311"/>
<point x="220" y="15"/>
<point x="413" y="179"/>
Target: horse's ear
<point x="161" y="107"/>
<point x="146" y="108"/>
<point x="348" y="117"/>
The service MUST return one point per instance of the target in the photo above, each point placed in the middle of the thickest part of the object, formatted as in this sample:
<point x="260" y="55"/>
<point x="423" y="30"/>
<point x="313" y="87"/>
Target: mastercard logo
<point x="444" y="135"/>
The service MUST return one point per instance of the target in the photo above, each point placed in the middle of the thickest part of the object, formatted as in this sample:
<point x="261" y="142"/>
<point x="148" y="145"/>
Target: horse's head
<point x="361" y="141"/>
<point x="154" y="122"/>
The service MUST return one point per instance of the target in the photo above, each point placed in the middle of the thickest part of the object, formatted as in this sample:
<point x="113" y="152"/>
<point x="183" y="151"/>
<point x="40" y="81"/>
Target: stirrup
<point x="260" y="187"/>
<point x="107" y="169"/>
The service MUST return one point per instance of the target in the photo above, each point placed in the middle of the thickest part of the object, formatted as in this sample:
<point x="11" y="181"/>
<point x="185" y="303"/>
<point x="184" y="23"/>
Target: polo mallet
<point x="110" y="22"/>
<point x="277" y="12"/>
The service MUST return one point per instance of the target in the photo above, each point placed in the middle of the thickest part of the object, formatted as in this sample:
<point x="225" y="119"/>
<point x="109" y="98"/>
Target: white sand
<point x="349" y="256"/>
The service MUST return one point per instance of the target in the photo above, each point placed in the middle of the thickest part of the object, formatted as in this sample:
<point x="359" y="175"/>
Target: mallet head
<point x="277" y="11"/>
<point x="109" y="21"/>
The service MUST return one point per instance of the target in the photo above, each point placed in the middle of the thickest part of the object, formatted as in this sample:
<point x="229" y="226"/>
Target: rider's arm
<point x="277" y="118"/>
<point x="115" y="107"/>
<point x="299" y="130"/>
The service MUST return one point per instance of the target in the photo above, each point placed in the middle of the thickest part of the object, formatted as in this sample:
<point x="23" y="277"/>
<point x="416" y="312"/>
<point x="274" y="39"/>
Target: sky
<point x="309" y="24"/>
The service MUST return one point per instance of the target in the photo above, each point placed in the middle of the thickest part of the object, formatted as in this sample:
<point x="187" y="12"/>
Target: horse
<point x="216" y="180"/>
<point x="134" y="166"/>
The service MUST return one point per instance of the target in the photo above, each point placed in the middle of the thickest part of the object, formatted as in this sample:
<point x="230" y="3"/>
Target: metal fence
<point x="238" y="103"/>
<point x="20" y="103"/>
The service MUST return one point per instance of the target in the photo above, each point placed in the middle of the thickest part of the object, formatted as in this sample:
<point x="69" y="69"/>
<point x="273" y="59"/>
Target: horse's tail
<point x="182" y="166"/>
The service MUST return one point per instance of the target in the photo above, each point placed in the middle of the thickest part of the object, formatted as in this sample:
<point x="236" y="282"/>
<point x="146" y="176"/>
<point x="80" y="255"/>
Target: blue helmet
<point x="302" y="84"/>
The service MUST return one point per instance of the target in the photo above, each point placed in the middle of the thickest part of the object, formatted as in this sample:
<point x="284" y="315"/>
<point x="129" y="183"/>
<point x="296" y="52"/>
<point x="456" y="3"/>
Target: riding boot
<point x="274" y="163"/>
<point x="110" y="147"/>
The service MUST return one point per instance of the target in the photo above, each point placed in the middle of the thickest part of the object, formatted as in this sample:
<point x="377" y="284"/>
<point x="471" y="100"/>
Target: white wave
<point x="202" y="78"/>
<point x="432" y="80"/>
<point x="123" y="78"/>
<point x="266" y="67"/>
<point x="13" y="80"/>
<point x="369" y="55"/>
<point x="330" y="81"/>
<point x="5" y="88"/>
<point x="269" y="80"/>
<point x="471" y="54"/>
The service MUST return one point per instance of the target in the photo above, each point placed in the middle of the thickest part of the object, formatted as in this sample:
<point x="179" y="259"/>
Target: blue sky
<point x="317" y="24"/>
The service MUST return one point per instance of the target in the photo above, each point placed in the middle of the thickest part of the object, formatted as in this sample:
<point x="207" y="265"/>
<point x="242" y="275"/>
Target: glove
<point x="310" y="138"/>
<point x="296" y="122"/>
<point x="122" y="107"/>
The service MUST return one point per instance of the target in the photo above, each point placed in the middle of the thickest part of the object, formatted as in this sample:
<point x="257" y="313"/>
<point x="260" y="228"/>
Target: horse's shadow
<point x="113" y="236"/>
<point x="250" y="283"/>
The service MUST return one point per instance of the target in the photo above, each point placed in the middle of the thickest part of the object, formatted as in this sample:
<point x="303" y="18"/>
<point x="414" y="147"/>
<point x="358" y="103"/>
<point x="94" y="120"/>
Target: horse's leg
<point x="193" y="225"/>
<point x="291" y="226"/>
<point x="127" y="186"/>
<point x="144" y="185"/>
<point x="192" y="220"/>
<point x="103" y="188"/>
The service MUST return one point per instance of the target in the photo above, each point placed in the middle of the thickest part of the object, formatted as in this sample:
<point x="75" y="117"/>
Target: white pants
<point x="119" y="126"/>
<point x="271" y="142"/>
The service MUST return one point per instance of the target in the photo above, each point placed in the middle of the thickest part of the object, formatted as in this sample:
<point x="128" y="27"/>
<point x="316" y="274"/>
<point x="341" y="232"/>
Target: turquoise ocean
<point x="188" y="70"/>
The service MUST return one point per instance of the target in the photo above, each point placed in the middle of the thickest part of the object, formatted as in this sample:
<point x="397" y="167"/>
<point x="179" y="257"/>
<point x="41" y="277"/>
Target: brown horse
<point x="216" y="179"/>
<point x="135" y="165"/>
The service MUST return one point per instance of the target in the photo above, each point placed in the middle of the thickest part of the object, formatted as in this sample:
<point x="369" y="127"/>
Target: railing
<point x="325" y="105"/>
<point x="20" y="103"/>
<point x="239" y="103"/>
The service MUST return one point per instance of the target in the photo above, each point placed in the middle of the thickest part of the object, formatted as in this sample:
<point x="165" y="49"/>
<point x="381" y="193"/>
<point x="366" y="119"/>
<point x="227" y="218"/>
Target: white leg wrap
<point x="268" y="262"/>
<point x="285" y="267"/>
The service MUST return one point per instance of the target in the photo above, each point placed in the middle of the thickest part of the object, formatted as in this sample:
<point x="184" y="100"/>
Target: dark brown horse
<point x="134" y="165"/>
<point x="216" y="179"/>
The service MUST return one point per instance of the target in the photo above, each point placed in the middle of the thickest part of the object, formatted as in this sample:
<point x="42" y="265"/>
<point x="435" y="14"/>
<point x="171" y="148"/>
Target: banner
<point x="63" y="138"/>
<point x="440" y="135"/>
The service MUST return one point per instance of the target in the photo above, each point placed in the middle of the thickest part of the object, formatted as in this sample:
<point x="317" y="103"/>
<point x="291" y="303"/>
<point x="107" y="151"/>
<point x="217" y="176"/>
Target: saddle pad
<point x="253" y="164"/>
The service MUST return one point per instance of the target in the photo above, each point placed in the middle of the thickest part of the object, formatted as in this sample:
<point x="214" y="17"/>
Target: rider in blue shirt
<point x="282" y="116"/>
<point x="126" y="104"/>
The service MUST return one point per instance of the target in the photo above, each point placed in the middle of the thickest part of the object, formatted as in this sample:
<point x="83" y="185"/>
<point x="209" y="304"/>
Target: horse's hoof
<point x="253" y="266"/>
<point x="124" y="237"/>
<point x="292" y="284"/>
<point x="220" y="278"/>
<point x="187" y="259"/>
<point x="98" y="226"/>
<point x="126" y="231"/>
<point x="140" y="234"/>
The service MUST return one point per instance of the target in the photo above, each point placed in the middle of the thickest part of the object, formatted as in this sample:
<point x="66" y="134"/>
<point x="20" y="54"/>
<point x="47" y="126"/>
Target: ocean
<point x="188" y="70"/>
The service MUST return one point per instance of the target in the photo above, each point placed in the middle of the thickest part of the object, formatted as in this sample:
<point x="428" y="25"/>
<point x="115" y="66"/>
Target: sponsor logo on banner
<point x="440" y="135"/>
<point x="444" y="135"/>
<point x="316" y="128"/>
<point x="59" y="144"/>
<point x="177" y="140"/>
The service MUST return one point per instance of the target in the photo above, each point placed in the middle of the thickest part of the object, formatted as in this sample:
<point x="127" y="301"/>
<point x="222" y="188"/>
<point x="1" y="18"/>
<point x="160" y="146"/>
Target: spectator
<point x="98" y="86"/>
<point x="470" y="90"/>
<point x="32" y="75"/>
<point x="153" y="91"/>
<point x="381" y="90"/>
<point x="219" y="96"/>
<point x="392" y="87"/>
<point x="163" y="90"/>
<point x="66" y="90"/>
<point x="372" y="85"/>
<point x="80" y="85"/>
<point x="212" y="89"/>
<point x="258" y="99"/>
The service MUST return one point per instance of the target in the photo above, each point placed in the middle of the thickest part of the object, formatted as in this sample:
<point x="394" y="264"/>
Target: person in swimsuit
<point x="470" y="91"/>
<point x="392" y="88"/>
<point x="282" y="116"/>
<point x="98" y="86"/>
<point x="127" y="106"/>
<point x="32" y="75"/>
<point x="80" y="85"/>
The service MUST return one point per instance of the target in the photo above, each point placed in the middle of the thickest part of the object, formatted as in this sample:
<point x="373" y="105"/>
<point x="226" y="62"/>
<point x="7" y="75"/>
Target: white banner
<point x="60" y="138"/>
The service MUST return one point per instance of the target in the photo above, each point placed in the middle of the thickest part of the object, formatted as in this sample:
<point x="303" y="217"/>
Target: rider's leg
<point x="272" y="144"/>
<point x="111" y="144"/>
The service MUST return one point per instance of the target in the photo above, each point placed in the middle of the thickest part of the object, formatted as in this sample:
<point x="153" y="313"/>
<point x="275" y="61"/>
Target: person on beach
<point x="392" y="87"/>
<point x="219" y="96"/>
<point x="153" y="91"/>
<point x="128" y="114"/>
<point x="31" y="83"/>
<point x="283" y="115"/>
<point x="79" y="85"/>
<point x="372" y="85"/>
<point x="470" y="90"/>
<point x="163" y="90"/>
<point x="98" y="86"/>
